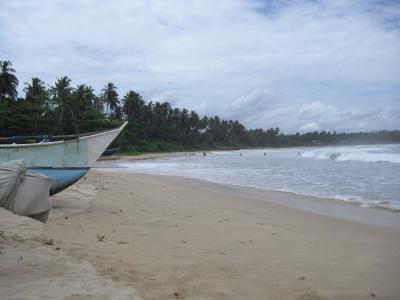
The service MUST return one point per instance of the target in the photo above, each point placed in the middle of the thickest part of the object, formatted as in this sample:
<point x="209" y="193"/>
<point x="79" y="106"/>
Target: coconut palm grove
<point x="153" y="126"/>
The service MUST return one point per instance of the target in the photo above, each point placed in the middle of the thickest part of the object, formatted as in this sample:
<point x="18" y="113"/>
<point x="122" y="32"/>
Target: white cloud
<point x="204" y="54"/>
<point x="309" y="127"/>
<point x="312" y="116"/>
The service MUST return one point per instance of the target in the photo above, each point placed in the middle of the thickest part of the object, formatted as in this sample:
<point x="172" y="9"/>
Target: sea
<point x="365" y="174"/>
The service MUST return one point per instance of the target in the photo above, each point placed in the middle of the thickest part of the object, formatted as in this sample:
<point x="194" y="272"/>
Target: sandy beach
<point x="118" y="236"/>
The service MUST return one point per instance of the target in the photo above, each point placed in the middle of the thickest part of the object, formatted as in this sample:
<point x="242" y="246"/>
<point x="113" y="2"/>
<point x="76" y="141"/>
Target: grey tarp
<point x="23" y="192"/>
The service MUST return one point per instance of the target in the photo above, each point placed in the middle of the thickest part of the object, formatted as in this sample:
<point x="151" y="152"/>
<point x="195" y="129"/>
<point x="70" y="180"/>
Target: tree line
<point x="153" y="126"/>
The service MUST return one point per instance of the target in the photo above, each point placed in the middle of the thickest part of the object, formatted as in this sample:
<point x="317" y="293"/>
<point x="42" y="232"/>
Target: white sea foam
<point x="355" y="153"/>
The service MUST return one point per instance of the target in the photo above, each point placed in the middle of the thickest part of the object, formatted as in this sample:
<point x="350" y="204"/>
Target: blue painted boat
<point x="64" y="161"/>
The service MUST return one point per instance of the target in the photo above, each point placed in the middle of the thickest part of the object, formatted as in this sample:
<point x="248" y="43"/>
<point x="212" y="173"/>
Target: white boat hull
<point x="63" y="161"/>
<point x="77" y="153"/>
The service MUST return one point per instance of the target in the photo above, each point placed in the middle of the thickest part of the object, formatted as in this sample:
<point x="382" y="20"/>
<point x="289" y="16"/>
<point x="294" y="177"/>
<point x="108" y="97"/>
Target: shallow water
<point x="368" y="174"/>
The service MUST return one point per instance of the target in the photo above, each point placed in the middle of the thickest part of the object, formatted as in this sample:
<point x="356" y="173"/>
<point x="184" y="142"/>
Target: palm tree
<point x="62" y="96"/>
<point x="36" y="99"/>
<point x="110" y="96"/>
<point x="133" y="105"/>
<point x="35" y="91"/>
<point x="84" y="98"/>
<point x="78" y="97"/>
<point x="8" y="81"/>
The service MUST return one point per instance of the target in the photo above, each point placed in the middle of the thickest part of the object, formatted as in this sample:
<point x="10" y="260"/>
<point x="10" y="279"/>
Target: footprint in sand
<point x="180" y="294"/>
<point x="49" y="242"/>
<point x="100" y="238"/>
<point x="224" y="220"/>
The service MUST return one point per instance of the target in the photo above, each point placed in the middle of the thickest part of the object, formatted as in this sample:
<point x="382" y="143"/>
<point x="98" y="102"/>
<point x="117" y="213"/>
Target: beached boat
<point x="64" y="161"/>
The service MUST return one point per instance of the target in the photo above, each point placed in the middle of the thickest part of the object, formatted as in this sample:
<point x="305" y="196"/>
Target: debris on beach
<point x="100" y="238"/>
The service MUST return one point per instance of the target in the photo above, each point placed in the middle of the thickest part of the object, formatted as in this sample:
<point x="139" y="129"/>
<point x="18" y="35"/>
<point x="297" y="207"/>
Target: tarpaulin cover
<point x="23" y="192"/>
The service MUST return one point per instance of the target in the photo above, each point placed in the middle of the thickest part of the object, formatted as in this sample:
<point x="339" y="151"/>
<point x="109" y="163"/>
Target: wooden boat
<point x="64" y="161"/>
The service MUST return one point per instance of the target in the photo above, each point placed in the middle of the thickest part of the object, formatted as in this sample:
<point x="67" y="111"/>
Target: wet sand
<point x="174" y="238"/>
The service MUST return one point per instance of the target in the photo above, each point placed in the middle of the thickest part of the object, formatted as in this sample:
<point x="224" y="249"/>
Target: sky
<point x="298" y="65"/>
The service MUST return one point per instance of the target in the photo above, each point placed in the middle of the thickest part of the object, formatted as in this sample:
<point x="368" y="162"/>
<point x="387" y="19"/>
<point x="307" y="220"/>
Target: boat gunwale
<point x="64" y="141"/>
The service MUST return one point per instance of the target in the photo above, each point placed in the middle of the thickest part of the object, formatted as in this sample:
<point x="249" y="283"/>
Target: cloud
<point x="259" y="61"/>
<point x="247" y="106"/>
<point x="318" y="116"/>
<point x="309" y="127"/>
<point x="310" y="116"/>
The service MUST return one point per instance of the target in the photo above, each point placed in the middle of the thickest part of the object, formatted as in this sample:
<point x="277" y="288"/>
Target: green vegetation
<point x="153" y="126"/>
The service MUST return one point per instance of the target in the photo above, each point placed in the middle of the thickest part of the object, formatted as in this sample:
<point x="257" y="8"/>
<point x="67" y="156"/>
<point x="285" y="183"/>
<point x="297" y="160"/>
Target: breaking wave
<point x="384" y="153"/>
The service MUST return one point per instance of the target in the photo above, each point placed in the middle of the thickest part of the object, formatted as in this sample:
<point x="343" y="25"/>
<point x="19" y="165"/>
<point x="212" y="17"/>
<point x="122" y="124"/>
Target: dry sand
<point x="172" y="238"/>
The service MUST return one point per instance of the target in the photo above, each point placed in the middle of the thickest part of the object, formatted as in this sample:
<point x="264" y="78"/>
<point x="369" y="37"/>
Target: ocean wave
<point x="366" y="154"/>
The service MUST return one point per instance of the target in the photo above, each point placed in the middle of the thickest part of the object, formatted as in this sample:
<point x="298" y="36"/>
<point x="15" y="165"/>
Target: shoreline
<point x="329" y="201"/>
<point x="368" y="204"/>
<point x="331" y="207"/>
